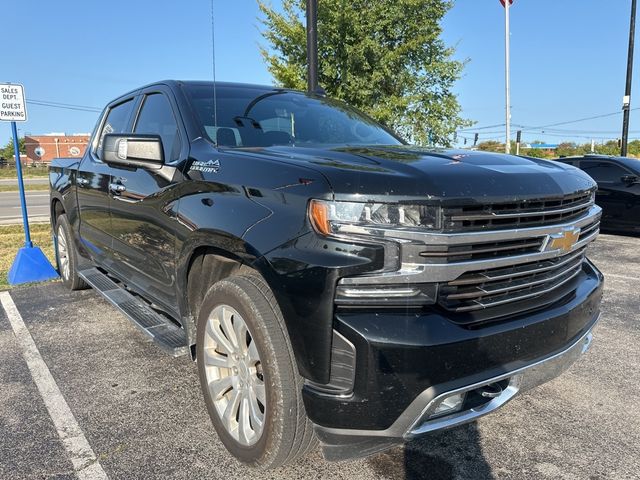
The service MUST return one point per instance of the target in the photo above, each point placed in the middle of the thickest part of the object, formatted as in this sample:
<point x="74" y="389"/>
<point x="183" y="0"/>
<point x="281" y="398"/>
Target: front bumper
<point x="407" y="364"/>
<point x="517" y="381"/>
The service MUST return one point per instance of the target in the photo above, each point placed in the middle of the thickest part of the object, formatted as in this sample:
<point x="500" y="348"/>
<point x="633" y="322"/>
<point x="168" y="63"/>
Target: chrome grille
<point x="480" y="251"/>
<point x="487" y="275"/>
<point x="588" y="230"/>
<point x="494" y="287"/>
<point x="520" y="214"/>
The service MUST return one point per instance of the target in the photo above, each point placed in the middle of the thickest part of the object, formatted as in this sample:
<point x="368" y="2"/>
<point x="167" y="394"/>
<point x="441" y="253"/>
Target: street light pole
<point x="312" y="45"/>
<point x="507" y="83"/>
<point x="626" y="102"/>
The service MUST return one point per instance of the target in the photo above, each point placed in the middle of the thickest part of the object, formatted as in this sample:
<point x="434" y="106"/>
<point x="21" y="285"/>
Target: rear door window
<point x="603" y="172"/>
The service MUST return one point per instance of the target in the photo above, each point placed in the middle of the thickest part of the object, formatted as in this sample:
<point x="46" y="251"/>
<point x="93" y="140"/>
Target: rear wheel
<point x="66" y="255"/>
<point x="248" y="375"/>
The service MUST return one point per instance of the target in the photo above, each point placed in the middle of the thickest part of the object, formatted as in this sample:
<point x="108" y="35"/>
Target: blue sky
<point x="568" y="58"/>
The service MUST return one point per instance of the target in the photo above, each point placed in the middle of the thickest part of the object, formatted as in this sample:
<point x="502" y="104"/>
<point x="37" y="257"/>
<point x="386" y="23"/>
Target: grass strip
<point x="26" y="172"/>
<point x="27" y="188"/>
<point x="12" y="239"/>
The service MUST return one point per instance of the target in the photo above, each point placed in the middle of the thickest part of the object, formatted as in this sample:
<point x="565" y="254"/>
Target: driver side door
<point x="143" y="202"/>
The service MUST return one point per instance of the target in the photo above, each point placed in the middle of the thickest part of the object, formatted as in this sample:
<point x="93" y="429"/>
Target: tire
<point x="67" y="256"/>
<point x="264" y="392"/>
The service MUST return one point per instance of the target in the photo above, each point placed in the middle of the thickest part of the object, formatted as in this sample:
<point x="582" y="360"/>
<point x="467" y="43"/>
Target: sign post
<point x="30" y="264"/>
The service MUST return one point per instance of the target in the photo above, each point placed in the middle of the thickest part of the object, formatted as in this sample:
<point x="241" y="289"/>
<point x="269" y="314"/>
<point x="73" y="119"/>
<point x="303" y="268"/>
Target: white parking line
<point x="85" y="463"/>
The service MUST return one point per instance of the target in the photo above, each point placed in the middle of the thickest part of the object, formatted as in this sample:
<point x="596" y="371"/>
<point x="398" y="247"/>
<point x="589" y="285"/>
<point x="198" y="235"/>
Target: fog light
<point x="450" y="404"/>
<point x="404" y="295"/>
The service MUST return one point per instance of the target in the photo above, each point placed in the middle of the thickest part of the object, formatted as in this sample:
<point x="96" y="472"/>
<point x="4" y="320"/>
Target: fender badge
<point x="212" y="166"/>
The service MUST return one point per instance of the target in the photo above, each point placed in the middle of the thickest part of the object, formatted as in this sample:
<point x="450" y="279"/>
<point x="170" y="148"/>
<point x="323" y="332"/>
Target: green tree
<point x="567" y="149"/>
<point x="609" y="148"/>
<point x="536" y="153"/>
<point x="384" y="57"/>
<point x="634" y="148"/>
<point x="7" y="152"/>
<point x="491" y="146"/>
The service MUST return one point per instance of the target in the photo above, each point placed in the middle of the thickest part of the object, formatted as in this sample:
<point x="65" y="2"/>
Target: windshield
<point x="254" y="117"/>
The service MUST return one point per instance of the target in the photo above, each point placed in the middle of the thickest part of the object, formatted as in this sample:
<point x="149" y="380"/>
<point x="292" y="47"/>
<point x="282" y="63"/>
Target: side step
<point x="171" y="338"/>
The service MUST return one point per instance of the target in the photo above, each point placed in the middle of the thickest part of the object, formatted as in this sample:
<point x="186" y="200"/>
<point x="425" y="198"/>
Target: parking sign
<point x="13" y="107"/>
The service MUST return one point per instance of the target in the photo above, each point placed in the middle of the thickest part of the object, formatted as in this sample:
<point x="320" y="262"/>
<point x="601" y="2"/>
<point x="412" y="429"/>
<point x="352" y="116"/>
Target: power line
<point x="65" y="106"/>
<point x="588" y="137"/>
<point x="569" y="132"/>
<point x="473" y="129"/>
<point x="547" y="130"/>
<point x="578" y="120"/>
<point x="491" y="133"/>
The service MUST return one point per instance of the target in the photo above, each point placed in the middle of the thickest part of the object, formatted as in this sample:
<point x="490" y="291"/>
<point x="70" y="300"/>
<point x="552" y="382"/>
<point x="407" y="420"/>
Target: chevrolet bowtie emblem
<point x="564" y="240"/>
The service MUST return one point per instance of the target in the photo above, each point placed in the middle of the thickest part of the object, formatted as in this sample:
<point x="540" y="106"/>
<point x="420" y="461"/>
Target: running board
<point x="168" y="336"/>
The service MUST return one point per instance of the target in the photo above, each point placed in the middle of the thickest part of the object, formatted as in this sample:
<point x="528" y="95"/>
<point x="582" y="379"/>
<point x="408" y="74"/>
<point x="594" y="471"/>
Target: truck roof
<point x="177" y="83"/>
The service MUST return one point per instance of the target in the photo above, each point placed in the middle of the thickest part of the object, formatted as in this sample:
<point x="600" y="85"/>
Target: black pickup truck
<point x="332" y="282"/>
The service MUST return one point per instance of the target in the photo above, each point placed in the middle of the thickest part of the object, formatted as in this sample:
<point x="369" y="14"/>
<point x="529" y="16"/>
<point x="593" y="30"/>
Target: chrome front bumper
<point x="519" y="381"/>
<point x="341" y="444"/>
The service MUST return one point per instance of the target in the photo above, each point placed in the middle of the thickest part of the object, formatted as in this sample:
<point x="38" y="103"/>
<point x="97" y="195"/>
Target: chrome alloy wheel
<point x="63" y="253"/>
<point x="234" y="375"/>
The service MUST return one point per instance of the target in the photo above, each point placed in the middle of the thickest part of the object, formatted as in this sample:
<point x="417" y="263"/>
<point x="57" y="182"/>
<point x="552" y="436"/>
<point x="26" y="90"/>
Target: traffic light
<point x="475" y="139"/>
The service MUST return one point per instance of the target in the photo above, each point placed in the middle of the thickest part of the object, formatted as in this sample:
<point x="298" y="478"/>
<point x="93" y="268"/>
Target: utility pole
<point x="507" y="83"/>
<point x="312" y="46"/>
<point x="626" y="102"/>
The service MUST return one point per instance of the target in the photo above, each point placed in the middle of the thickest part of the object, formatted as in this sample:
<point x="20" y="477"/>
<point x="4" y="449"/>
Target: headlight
<point x="355" y="217"/>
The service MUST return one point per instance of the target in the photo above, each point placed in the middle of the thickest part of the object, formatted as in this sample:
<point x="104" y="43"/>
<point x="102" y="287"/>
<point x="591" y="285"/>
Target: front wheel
<point x="248" y="374"/>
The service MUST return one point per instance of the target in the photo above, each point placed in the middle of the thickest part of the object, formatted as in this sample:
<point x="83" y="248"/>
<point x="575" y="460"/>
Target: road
<point x="37" y="207"/>
<point x="27" y="181"/>
<point x="141" y="412"/>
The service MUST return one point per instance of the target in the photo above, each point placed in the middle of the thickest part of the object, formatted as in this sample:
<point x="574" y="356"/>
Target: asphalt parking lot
<point x="142" y="414"/>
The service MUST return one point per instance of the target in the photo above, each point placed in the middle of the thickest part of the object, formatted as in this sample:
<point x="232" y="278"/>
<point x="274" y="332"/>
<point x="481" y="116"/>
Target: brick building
<point x="44" y="148"/>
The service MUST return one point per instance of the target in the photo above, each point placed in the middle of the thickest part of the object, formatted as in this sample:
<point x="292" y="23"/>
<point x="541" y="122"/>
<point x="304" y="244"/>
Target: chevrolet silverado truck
<point x="332" y="283"/>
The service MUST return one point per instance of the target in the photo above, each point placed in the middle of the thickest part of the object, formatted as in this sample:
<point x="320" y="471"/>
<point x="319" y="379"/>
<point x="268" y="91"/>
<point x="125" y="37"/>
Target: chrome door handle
<point x="116" y="188"/>
<point x="82" y="181"/>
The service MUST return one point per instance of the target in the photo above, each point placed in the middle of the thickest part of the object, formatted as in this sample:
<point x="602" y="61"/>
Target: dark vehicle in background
<point x="618" y="192"/>
<point x="333" y="283"/>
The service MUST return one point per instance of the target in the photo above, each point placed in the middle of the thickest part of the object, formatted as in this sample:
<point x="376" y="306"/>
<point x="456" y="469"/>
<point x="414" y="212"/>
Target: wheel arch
<point x="309" y="321"/>
<point x="203" y="263"/>
<point x="207" y="265"/>
<point x="57" y="209"/>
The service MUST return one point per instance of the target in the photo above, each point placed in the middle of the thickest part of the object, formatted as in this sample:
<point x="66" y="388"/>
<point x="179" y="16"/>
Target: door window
<point x="156" y="118"/>
<point x="116" y="122"/>
<point x="604" y="172"/>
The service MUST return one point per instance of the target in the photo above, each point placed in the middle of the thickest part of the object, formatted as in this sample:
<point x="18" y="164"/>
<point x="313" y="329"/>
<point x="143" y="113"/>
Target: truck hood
<point x="391" y="173"/>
